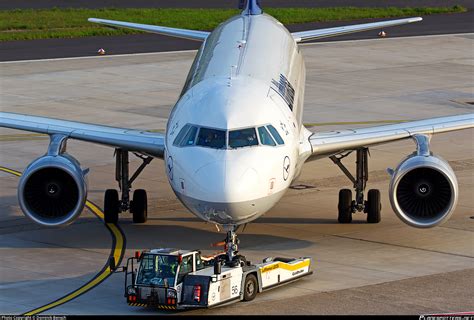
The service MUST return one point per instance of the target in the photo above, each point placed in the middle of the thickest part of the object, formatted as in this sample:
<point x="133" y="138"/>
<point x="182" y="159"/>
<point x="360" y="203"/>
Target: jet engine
<point x="53" y="190"/>
<point x="423" y="190"/>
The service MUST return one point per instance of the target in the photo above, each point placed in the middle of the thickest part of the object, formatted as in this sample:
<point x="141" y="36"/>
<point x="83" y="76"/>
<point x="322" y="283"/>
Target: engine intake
<point x="53" y="190"/>
<point x="423" y="191"/>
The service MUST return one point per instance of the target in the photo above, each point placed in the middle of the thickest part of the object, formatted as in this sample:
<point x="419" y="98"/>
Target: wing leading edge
<point x="149" y="143"/>
<point x="329" y="143"/>
<point x="337" y="31"/>
<point x="175" y="32"/>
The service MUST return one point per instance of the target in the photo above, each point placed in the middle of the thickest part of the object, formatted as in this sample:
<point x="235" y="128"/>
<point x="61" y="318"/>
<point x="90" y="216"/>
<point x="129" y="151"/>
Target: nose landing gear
<point x="113" y="205"/>
<point x="231" y="248"/>
<point x="347" y="206"/>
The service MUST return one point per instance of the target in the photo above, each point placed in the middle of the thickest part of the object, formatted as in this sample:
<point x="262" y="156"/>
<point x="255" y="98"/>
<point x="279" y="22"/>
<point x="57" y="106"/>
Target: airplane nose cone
<point x="241" y="181"/>
<point x="209" y="179"/>
<point x="226" y="181"/>
<point x="227" y="192"/>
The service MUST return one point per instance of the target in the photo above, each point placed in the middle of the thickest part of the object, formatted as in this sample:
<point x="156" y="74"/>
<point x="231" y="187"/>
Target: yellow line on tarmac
<point x="118" y="249"/>
<point x="10" y="171"/>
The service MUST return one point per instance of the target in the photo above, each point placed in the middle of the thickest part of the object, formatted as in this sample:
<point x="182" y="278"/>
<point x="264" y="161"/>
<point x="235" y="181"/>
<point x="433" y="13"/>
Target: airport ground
<point x="141" y="43"/>
<point x="387" y="268"/>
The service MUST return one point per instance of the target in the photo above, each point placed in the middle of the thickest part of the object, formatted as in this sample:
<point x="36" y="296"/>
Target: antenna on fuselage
<point x="250" y="7"/>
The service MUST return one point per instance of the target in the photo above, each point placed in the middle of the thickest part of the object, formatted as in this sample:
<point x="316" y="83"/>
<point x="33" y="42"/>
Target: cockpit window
<point x="190" y="137"/>
<point x="275" y="134"/>
<point x="181" y="134"/>
<point x="211" y="138"/>
<point x="265" y="137"/>
<point x="243" y="138"/>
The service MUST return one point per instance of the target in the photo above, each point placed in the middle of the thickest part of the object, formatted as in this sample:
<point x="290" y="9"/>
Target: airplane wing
<point x="149" y="143"/>
<point x="334" y="142"/>
<point x="175" y="32"/>
<point x="337" y="31"/>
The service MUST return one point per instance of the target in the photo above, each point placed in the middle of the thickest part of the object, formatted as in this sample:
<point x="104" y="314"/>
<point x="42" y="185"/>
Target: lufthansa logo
<point x="286" y="168"/>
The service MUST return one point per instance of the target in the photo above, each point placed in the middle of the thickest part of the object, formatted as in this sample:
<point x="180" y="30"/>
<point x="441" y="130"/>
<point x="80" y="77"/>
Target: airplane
<point x="235" y="140"/>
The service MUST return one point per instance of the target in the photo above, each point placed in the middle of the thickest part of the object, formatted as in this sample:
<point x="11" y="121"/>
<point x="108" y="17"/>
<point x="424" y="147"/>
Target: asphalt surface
<point x="359" y="268"/>
<point x="60" y="48"/>
<point x="37" y="4"/>
<point x="440" y="292"/>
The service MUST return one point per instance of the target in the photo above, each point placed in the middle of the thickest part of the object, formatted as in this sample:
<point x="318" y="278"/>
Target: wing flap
<point x="327" y="143"/>
<point x="174" y="32"/>
<point x="337" y="31"/>
<point x="149" y="143"/>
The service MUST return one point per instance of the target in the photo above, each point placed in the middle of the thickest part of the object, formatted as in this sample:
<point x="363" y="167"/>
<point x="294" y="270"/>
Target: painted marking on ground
<point x="117" y="252"/>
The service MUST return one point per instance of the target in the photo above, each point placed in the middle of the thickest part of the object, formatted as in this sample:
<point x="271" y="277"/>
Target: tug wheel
<point x="250" y="287"/>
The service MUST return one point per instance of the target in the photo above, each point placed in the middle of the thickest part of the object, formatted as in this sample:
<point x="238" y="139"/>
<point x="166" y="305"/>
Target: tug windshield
<point x="157" y="270"/>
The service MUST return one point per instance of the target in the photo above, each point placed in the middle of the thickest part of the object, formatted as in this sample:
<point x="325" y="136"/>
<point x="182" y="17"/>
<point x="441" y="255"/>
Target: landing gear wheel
<point x="345" y="206"/>
<point x="111" y="206"/>
<point x="250" y="288"/>
<point x="373" y="206"/>
<point x="139" y="206"/>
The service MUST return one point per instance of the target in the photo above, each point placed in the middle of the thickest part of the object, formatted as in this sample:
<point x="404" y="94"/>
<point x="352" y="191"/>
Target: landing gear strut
<point x="231" y="243"/>
<point x="231" y="246"/>
<point x="112" y="204"/>
<point x="347" y="206"/>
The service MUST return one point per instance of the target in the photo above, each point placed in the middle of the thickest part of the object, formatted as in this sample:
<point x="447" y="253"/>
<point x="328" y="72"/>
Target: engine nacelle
<point x="53" y="190"/>
<point x="423" y="191"/>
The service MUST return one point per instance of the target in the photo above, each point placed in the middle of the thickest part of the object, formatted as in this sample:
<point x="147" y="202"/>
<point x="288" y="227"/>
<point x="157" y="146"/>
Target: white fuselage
<point x="249" y="73"/>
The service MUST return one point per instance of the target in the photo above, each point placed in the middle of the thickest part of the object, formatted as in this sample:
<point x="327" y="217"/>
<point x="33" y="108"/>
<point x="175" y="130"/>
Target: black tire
<point x="139" y="206"/>
<point x="111" y="206"/>
<point x="374" y="207"/>
<point x="345" y="206"/>
<point x="250" y="287"/>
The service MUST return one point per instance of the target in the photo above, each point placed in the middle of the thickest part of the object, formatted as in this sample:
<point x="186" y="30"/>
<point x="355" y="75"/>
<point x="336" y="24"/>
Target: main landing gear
<point x="113" y="205"/>
<point x="347" y="205"/>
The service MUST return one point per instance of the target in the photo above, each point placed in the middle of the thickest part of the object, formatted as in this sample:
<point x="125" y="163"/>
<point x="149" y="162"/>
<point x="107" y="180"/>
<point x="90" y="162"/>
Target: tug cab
<point x="155" y="277"/>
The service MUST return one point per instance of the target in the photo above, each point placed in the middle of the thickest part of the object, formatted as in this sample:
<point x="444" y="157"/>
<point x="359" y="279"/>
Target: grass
<point x="26" y="24"/>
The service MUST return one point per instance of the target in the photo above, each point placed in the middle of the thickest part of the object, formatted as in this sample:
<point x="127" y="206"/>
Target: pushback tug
<point x="173" y="279"/>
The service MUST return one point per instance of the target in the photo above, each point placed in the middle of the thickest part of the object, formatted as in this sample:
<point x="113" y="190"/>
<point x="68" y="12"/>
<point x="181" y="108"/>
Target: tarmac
<point x="143" y="43"/>
<point x="360" y="268"/>
<point x="232" y="4"/>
